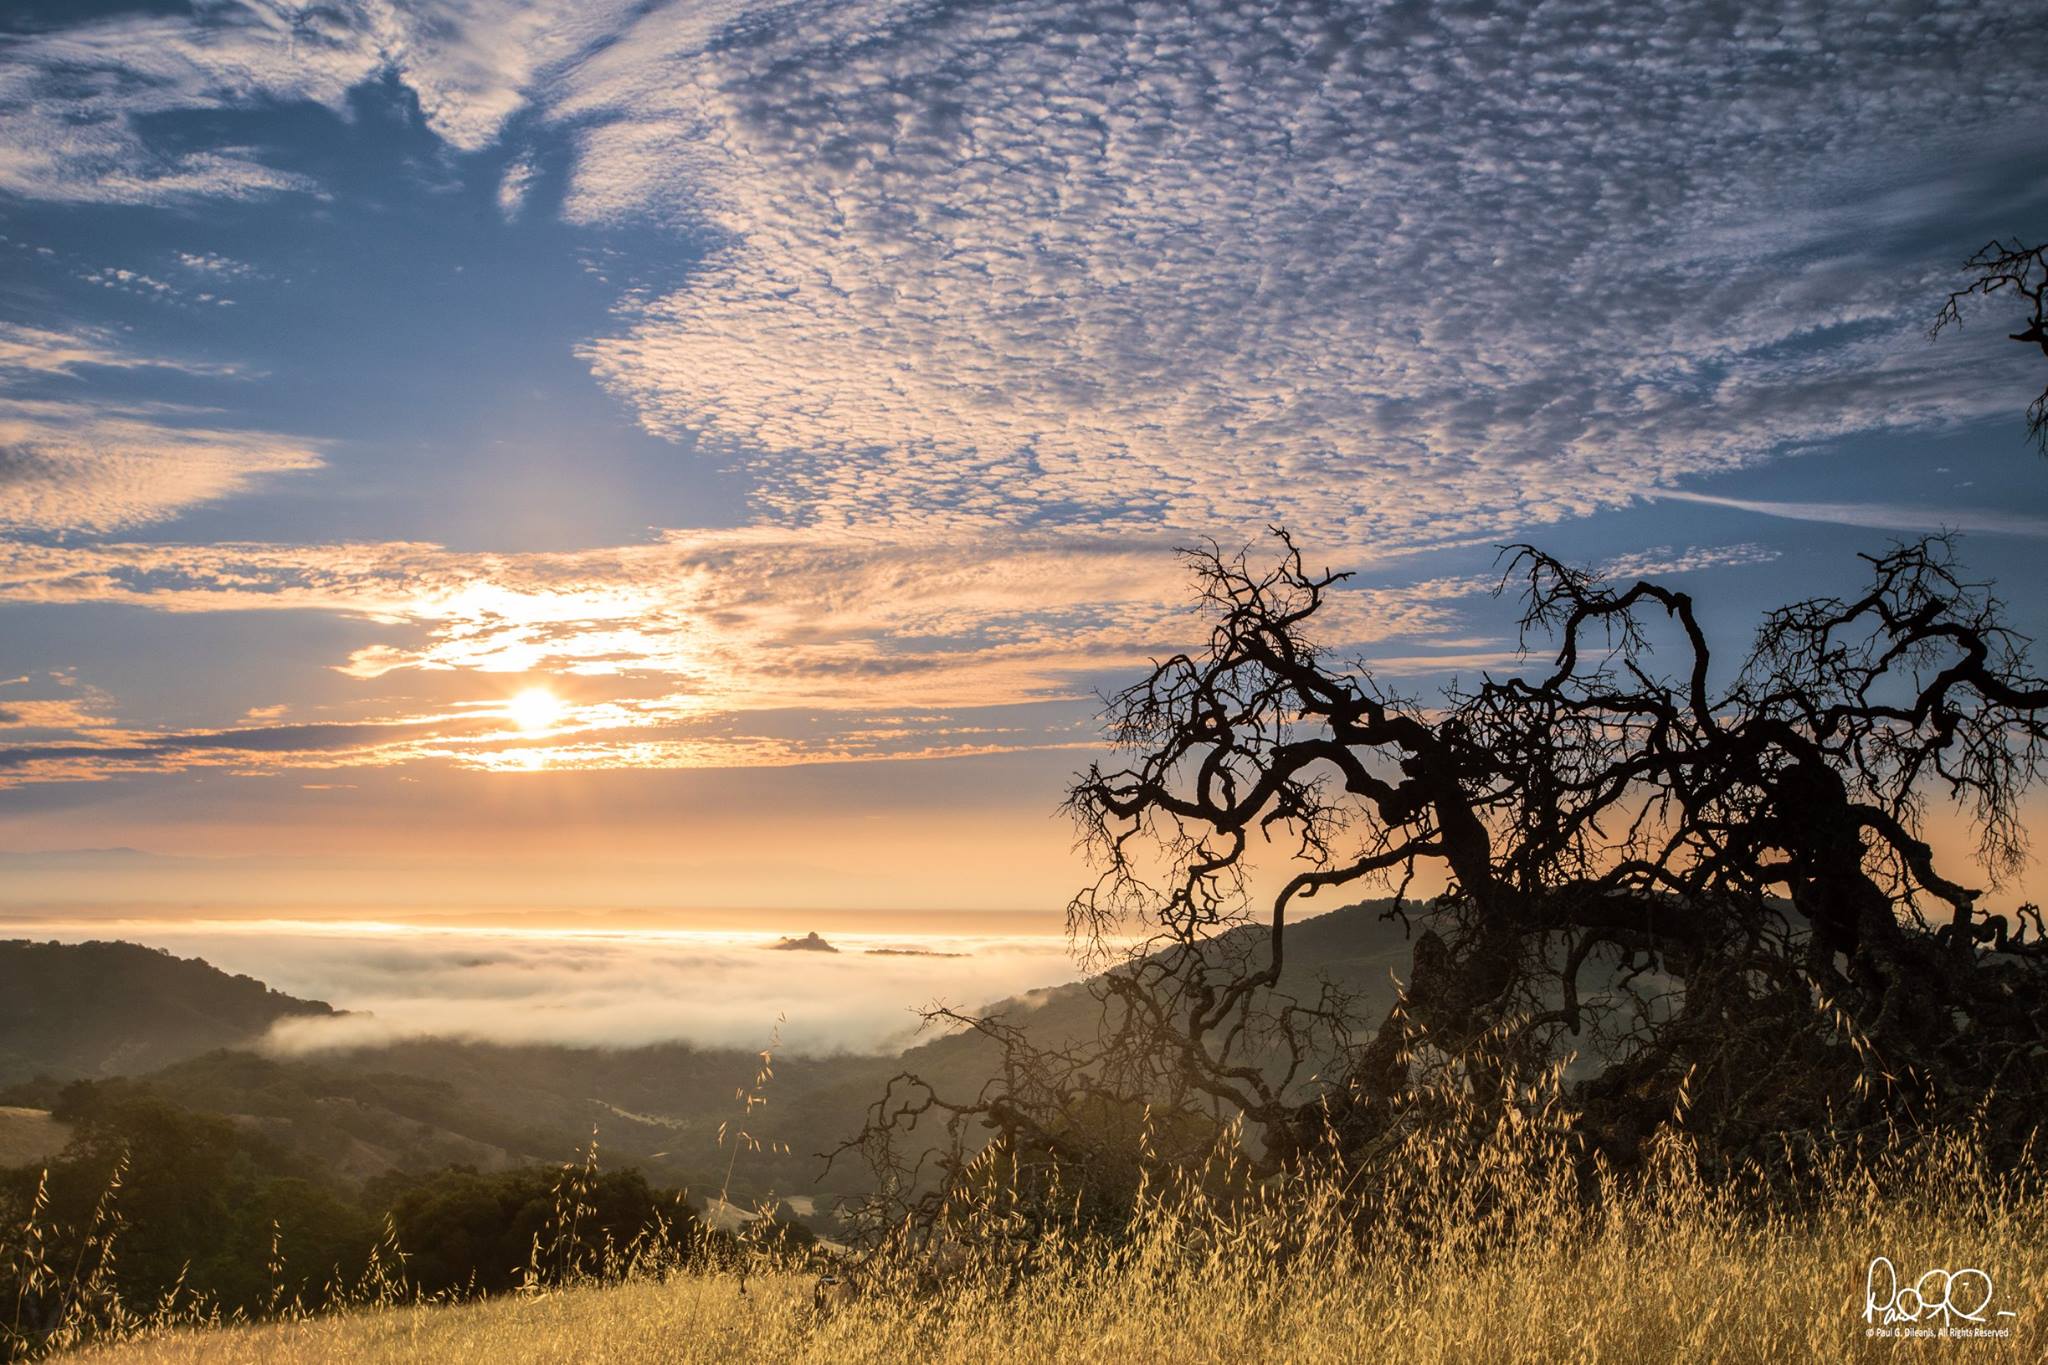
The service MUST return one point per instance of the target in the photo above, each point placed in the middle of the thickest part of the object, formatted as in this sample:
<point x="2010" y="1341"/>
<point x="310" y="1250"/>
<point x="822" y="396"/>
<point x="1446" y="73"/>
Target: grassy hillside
<point x="30" y="1135"/>
<point x="231" y="1146"/>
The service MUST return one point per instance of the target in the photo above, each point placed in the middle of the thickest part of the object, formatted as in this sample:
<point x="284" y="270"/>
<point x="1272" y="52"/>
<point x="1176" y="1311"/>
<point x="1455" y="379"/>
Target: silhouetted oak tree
<point x="1707" y="881"/>
<point x="2021" y="271"/>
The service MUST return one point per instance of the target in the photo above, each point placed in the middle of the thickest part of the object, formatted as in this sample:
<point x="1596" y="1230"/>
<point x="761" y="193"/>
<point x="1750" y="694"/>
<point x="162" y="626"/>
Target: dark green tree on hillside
<point x="201" y="1202"/>
<point x="466" y="1232"/>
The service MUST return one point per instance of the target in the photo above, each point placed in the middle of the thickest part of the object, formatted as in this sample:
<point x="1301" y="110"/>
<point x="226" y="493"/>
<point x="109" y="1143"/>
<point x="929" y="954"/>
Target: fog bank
<point x="602" y="988"/>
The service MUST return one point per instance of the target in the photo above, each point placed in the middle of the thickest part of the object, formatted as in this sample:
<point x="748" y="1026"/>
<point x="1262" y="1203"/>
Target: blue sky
<point x="805" y="399"/>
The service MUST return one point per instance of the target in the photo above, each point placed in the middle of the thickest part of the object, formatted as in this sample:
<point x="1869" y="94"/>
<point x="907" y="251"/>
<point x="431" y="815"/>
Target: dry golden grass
<point x="1695" y="1298"/>
<point x="30" y="1135"/>
<point x="1672" y="1274"/>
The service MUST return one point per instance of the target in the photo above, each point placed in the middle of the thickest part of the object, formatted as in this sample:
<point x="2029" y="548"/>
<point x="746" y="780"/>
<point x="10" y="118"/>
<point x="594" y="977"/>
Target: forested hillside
<point x="111" y="1009"/>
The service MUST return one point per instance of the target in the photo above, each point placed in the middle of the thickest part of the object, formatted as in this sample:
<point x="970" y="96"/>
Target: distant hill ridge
<point x="105" y="1009"/>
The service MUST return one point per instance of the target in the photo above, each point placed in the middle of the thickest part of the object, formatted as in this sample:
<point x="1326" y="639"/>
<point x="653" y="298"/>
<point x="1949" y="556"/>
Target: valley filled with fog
<point x="601" y="988"/>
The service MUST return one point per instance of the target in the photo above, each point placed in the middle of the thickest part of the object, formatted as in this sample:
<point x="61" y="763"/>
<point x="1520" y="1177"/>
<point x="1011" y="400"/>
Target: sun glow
<point x="534" y="710"/>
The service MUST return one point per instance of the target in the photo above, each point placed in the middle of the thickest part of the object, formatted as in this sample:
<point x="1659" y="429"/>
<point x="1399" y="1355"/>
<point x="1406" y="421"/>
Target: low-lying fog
<point x="604" y="988"/>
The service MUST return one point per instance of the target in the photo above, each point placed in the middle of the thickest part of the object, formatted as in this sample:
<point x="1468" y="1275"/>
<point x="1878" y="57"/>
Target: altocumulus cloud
<point x="1376" y="271"/>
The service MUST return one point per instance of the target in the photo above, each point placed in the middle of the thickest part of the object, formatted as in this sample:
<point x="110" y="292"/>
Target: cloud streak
<point x="710" y="649"/>
<point x="662" y="651"/>
<point x="100" y="467"/>
<point x="1880" y="515"/>
<point x="94" y="464"/>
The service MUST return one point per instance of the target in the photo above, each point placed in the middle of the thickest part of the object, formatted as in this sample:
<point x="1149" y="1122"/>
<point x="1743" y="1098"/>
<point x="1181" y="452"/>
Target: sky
<point x="623" y="459"/>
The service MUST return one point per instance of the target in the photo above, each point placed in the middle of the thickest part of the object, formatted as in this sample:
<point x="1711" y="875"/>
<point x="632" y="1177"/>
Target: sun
<point x="535" y="709"/>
